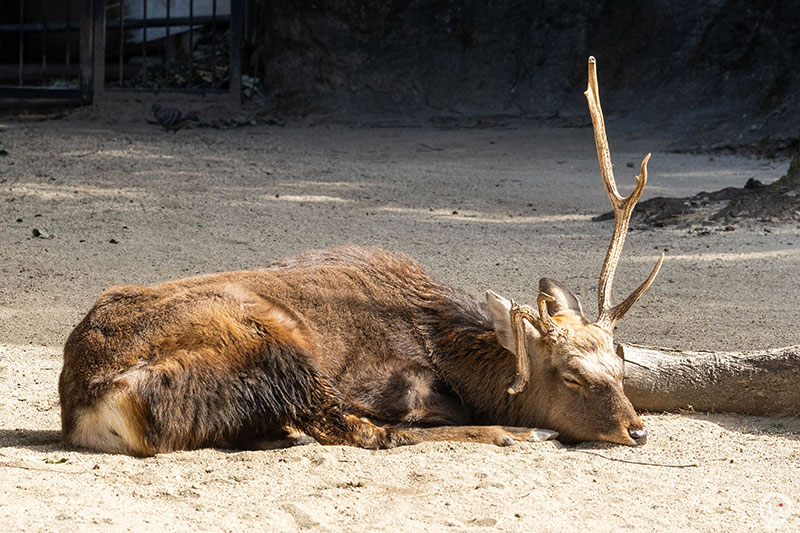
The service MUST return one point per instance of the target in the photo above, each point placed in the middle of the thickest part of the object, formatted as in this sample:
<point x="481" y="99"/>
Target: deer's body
<point x="350" y="346"/>
<point x="234" y="357"/>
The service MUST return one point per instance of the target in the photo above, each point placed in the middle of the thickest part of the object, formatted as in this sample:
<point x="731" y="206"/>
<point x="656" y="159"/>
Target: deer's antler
<point x="544" y="324"/>
<point x="623" y="209"/>
<point x="519" y="313"/>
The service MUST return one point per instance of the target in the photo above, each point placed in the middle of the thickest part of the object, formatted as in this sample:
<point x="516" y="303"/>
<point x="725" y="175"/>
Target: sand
<point x="119" y="201"/>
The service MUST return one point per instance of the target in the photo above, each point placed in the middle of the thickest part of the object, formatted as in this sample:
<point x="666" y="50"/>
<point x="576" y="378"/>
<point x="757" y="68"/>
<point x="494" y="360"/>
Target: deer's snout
<point x="639" y="436"/>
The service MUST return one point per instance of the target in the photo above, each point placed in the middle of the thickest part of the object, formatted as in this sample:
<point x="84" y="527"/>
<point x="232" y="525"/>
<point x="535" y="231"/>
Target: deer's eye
<point x="571" y="381"/>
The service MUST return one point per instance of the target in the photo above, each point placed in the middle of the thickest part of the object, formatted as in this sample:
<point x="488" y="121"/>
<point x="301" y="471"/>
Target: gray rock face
<point x="718" y="70"/>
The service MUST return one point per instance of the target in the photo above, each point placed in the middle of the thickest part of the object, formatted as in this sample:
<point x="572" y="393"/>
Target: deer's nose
<point x="638" y="435"/>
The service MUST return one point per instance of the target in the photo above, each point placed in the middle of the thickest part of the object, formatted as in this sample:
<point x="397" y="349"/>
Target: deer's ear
<point x="563" y="299"/>
<point x="500" y="312"/>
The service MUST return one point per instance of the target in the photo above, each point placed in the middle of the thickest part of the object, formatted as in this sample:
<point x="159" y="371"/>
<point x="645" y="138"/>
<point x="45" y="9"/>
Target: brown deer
<point x="351" y="345"/>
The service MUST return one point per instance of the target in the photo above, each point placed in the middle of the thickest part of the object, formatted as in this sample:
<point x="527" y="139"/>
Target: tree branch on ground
<point x="763" y="382"/>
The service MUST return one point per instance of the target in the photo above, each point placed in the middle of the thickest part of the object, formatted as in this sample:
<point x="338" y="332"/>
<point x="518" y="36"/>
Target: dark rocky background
<point x="719" y="73"/>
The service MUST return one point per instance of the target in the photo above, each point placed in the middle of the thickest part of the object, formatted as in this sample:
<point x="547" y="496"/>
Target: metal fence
<point x="85" y="49"/>
<point x="40" y="49"/>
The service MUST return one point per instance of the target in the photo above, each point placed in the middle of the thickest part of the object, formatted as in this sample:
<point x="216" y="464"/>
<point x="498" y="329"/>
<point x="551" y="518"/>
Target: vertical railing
<point x="213" y="43"/>
<point x="191" y="41"/>
<point x="144" y="41"/>
<point x="236" y="50"/>
<point x="21" y="41"/>
<point x="98" y="49"/>
<point x="85" y="52"/>
<point x="44" y="42"/>
<point x="67" y="58"/>
<point x="121" y="42"/>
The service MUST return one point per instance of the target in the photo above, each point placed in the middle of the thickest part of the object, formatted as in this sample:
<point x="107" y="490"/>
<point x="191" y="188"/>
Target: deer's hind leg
<point x="286" y="437"/>
<point x="279" y="387"/>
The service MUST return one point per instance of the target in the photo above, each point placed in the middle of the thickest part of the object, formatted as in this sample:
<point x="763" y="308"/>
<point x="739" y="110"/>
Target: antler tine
<point x="544" y="315"/>
<point x="600" y="139"/>
<point x="619" y="310"/>
<point x="518" y="314"/>
<point x="623" y="209"/>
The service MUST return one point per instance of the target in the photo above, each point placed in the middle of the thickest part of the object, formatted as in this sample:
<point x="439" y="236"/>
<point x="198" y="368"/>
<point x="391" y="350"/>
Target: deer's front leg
<point x="498" y="435"/>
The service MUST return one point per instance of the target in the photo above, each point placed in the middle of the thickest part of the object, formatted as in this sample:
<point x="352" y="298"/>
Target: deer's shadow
<point x="31" y="439"/>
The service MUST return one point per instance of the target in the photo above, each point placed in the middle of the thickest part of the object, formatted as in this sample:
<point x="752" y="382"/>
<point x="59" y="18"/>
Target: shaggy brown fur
<point x="351" y="345"/>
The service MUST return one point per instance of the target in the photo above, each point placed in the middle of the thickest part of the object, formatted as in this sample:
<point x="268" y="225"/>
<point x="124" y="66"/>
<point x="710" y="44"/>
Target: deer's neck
<point x="468" y="356"/>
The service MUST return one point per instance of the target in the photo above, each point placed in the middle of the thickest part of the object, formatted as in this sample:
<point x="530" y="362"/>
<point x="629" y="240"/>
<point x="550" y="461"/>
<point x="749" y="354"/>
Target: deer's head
<point x="577" y="370"/>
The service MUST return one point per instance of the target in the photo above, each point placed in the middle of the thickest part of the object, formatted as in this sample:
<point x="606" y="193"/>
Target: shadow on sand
<point x="33" y="439"/>
<point x="787" y="427"/>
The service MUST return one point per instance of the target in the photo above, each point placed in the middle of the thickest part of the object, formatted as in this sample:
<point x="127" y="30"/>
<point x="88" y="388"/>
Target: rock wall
<point x="720" y="70"/>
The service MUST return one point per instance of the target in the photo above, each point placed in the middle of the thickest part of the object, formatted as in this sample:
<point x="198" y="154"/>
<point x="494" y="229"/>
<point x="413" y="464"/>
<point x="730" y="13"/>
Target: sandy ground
<point x="122" y="202"/>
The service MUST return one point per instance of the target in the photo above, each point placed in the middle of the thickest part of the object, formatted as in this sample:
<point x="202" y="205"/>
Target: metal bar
<point x="99" y="50"/>
<point x="21" y="40"/>
<point x="8" y="71"/>
<point x="144" y="42"/>
<point x="35" y="26"/>
<point x="44" y="43"/>
<point x="121" y="39"/>
<point x="113" y="24"/>
<point x="213" y="43"/>
<point x="191" y="42"/>
<point x="168" y="24"/>
<point x="39" y="92"/>
<point x="85" y="50"/>
<point x="67" y="38"/>
<point x="160" y="90"/>
<point x="236" y="50"/>
<point x="165" y="22"/>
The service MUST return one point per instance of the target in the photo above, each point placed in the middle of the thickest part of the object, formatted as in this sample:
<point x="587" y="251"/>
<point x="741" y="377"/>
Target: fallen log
<point x="764" y="382"/>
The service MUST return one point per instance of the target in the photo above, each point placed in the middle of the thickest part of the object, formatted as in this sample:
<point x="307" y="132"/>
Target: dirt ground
<point x="118" y="201"/>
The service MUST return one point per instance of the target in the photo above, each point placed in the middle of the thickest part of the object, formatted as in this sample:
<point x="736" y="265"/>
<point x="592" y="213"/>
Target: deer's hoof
<point x="506" y="440"/>
<point x="540" y="435"/>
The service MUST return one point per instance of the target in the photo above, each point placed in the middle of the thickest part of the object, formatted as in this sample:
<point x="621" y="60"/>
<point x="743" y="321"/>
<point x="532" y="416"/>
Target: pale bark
<point x="764" y="382"/>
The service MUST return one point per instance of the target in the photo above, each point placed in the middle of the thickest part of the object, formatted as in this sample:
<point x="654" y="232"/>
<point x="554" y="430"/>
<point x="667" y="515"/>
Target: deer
<point x="350" y="346"/>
